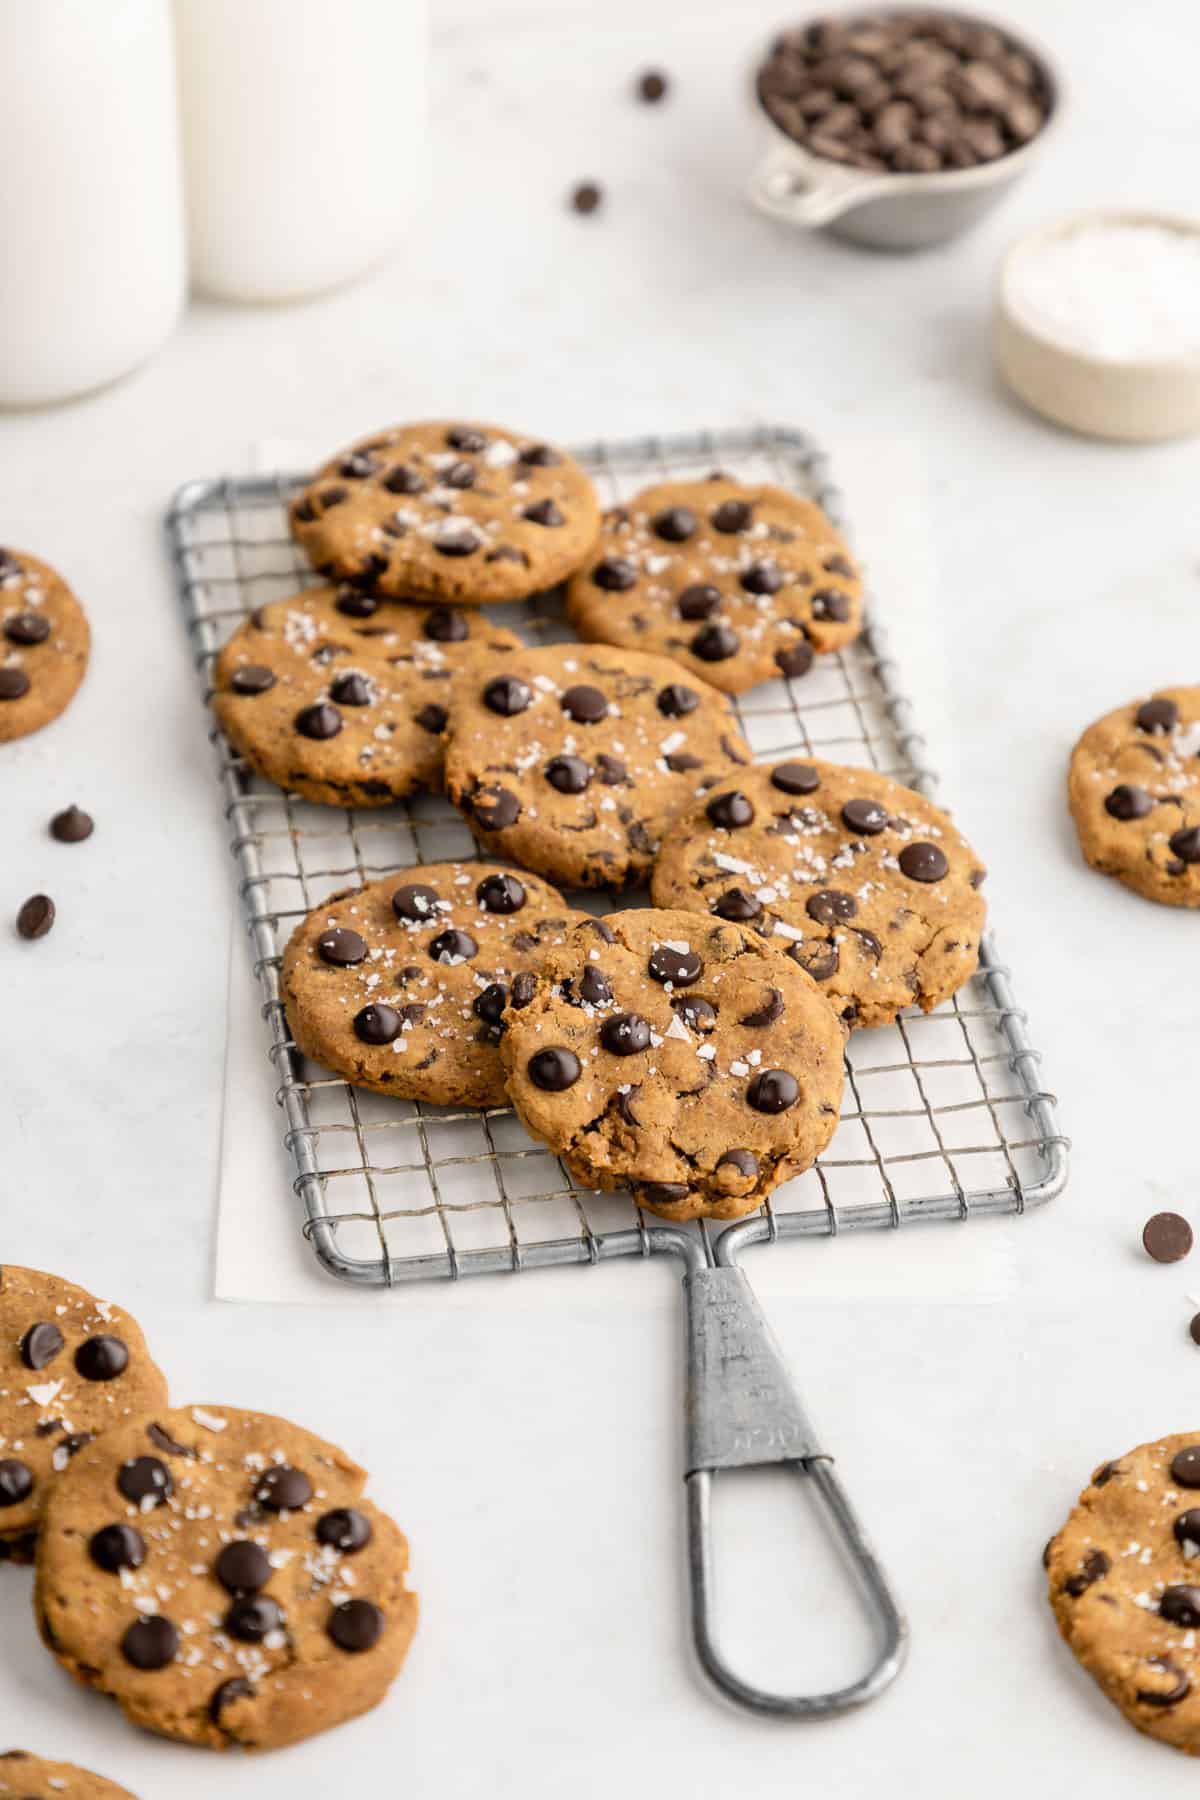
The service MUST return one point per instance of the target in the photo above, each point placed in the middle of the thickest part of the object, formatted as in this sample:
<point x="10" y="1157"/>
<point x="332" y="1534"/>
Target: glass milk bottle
<point x="304" y="141"/>
<point x="91" y="230"/>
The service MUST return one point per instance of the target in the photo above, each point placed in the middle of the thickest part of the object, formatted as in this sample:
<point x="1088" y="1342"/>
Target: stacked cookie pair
<point x="217" y="1572"/>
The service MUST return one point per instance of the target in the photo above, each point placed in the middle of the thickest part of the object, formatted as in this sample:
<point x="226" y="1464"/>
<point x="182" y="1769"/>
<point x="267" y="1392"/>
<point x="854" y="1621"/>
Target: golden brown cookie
<point x="576" y="760"/>
<point x="1134" y="790"/>
<point x="739" y="583"/>
<point x="24" y="1776"/>
<point x="400" y="986"/>
<point x="450" y="511"/>
<point x="679" y="1056"/>
<point x="70" y="1366"/>
<point x="44" y="643"/>
<point x="220" y="1574"/>
<point x="1124" y="1583"/>
<point x="866" y="884"/>
<point x="341" y="696"/>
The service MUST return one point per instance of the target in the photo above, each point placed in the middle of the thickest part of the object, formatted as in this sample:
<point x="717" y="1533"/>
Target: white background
<point x="532" y="1450"/>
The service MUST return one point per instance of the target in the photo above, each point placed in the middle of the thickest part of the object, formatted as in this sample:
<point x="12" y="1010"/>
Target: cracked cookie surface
<point x="221" y="1575"/>
<point x="1124" y="1583"/>
<point x="70" y="1366"/>
<point x="739" y="583"/>
<point x="400" y="986"/>
<point x="679" y="1056"/>
<point x="451" y="511"/>
<point x="342" y="696"/>
<point x="44" y="644"/>
<point x="576" y="760"/>
<point x="1134" y="791"/>
<point x="866" y="884"/>
<point x="24" y="1776"/>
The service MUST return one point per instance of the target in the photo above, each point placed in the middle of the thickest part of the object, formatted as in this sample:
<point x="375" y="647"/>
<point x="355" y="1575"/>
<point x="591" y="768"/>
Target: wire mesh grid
<point x="944" y="1116"/>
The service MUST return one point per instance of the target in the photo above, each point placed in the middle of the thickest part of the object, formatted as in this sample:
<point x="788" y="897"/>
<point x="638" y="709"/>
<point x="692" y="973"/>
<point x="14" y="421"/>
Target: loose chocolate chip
<point x="1185" y="844"/>
<point x="663" y="1193"/>
<point x="457" y="540"/>
<point x="675" y="524"/>
<point x="72" y="826"/>
<point x="243" y="1567"/>
<point x="743" y="1162"/>
<point x="319" y="721"/>
<point x="625" y="1034"/>
<point x="767" y="1013"/>
<point x="14" y="683"/>
<point x="283" y="1489"/>
<point x="341" y="947"/>
<point x="699" y="601"/>
<point x="1178" y="1689"/>
<point x="675" y="701"/>
<point x="377" y="1024"/>
<point x="729" y="811"/>
<point x="345" y="1529"/>
<point x="762" y="578"/>
<point x="1185" y="1466"/>
<point x="495" y="808"/>
<point x="16" y="1481"/>
<point x="116" y="1547"/>
<point x="616" y="574"/>
<point x="352" y="690"/>
<point x="773" y="1091"/>
<point x="1167" y="1237"/>
<point x="569" y="774"/>
<point x="732" y="515"/>
<point x="1093" y="1568"/>
<point x="414" y="900"/>
<point x="694" y="1010"/>
<point x="594" y="988"/>
<point x="27" y="628"/>
<point x="1128" y="802"/>
<point x="432" y="719"/>
<point x="1181" y="1605"/>
<point x="1194" y="1328"/>
<point x="586" y="197"/>
<point x="539" y="456"/>
<point x="795" y="778"/>
<point x="150" y="1643"/>
<point x="865" y="816"/>
<point x="145" y="1478"/>
<point x="356" y="606"/>
<point x="252" y="678"/>
<point x="36" y="916"/>
<point x="252" y="1617"/>
<point x="229" y="1691"/>
<point x="404" y="480"/>
<point x="828" y="603"/>
<point x="795" y="660"/>
<point x="453" y="946"/>
<point x="355" y="1625"/>
<point x="489" y="1005"/>
<point x="923" y="862"/>
<point x="524" y="987"/>
<point x="586" y="705"/>
<point x="445" y="626"/>
<point x="652" y="86"/>
<point x="507" y="695"/>
<point x="1157" y="716"/>
<point x="738" y="905"/>
<point x="679" y="967"/>
<point x="501" y="893"/>
<point x="544" y="512"/>
<point x="1187" y="1531"/>
<point x="554" y="1069"/>
<point x="831" y="906"/>
<point x="102" y="1358"/>
<point x="41" y="1344"/>
<point x="715" y="642"/>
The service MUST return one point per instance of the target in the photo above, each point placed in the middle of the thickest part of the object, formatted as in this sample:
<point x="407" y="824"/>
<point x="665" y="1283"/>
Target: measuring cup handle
<point x="808" y="194"/>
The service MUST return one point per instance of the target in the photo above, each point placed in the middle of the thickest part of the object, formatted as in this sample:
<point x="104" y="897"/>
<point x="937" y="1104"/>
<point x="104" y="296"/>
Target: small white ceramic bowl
<point x="1137" y="400"/>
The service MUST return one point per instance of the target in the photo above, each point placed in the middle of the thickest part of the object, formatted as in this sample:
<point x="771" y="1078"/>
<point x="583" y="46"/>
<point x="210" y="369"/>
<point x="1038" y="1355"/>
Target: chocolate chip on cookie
<point x="1134" y="791"/>
<point x="44" y="644"/>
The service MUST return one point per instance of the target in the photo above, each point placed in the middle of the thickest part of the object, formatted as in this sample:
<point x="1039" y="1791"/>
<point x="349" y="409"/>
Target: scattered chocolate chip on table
<point x="1167" y="1237"/>
<point x="36" y="916"/>
<point x="72" y="825"/>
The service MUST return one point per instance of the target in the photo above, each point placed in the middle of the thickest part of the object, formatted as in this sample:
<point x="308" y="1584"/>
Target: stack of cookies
<point x="691" y="1050"/>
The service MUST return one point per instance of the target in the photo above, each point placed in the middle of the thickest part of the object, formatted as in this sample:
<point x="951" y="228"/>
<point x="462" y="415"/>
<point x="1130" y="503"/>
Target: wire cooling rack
<point x="944" y="1117"/>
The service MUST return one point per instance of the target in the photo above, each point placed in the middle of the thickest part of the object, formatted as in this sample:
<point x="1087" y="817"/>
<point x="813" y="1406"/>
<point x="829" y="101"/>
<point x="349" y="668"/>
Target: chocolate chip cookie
<point x="679" y="1056"/>
<point x="401" y="986"/>
<point x="44" y="643"/>
<point x="220" y="1574"/>
<point x="1124" y="1583"/>
<point x="738" y="583"/>
<point x="448" y="511"/>
<point x="1134" y="791"/>
<point x="70" y="1366"/>
<point x="864" y="883"/>
<point x="576" y="759"/>
<point x="341" y="696"/>
<point x="27" y="1777"/>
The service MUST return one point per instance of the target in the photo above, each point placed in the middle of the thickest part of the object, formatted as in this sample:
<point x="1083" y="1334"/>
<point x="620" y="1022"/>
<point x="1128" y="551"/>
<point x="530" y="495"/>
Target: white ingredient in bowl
<point x="1122" y="291"/>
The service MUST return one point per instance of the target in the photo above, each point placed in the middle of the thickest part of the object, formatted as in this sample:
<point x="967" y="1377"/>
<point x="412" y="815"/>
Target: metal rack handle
<point x="743" y="1412"/>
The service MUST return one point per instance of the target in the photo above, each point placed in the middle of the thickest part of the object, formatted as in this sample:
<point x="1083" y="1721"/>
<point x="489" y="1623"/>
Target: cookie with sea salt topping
<point x="678" y="1056"/>
<point x="220" y="1574"/>
<point x="342" y="696"/>
<point x="576" y="760"/>
<point x="739" y="583"/>
<point x="44" y="644"/>
<point x="24" y="1776"/>
<point x="1124" y="1583"/>
<point x="867" y="885"/>
<point x="1134" y="791"/>
<point x="70" y="1366"/>
<point x="401" y="986"/>
<point x="450" y="511"/>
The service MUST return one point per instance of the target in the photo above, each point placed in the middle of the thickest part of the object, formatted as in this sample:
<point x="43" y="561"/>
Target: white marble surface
<point x="533" y="1452"/>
